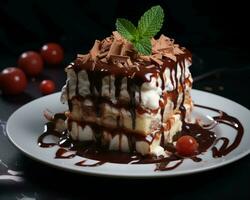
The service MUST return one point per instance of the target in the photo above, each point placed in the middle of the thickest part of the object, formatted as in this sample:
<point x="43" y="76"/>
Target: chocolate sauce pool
<point x="205" y="136"/>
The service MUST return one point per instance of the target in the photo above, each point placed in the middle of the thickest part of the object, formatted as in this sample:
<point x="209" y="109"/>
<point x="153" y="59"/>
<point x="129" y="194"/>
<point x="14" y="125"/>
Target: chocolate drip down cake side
<point x="125" y="101"/>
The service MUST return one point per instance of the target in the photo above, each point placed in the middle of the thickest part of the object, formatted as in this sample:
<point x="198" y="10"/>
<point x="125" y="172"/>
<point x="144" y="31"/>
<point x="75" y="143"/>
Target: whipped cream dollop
<point x="151" y="93"/>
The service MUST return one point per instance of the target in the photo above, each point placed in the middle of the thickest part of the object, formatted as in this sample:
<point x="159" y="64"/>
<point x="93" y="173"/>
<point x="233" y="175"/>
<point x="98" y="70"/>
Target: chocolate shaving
<point x="145" y="58"/>
<point x="135" y="66"/>
<point x="177" y="50"/>
<point x="150" y="66"/>
<point x="101" y="55"/>
<point x="157" y="61"/>
<point x="104" y="60"/>
<point x="171" y="56"/>
<point x="121" y="52"/>
<point x="129" y="62"/>
<point x="115" y="48"/>
<point x="126" y="49"/>
<point x="166" y="49"/>
<point x="118" y="59"/>
<point x="157" y="56"/>
<point x="105" y="44"/>
<point x="126" y="65"/>
<point x="120" y="65"/>
<point x="83" y="58"/>
<point x="117" y="36"/>
<point x="95" y="50"/>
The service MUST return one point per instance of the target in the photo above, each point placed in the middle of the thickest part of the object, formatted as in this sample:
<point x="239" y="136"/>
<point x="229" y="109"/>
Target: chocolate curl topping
<point x="165" y="47"/>
<point x="105" y="44"/>
<point x="118" y="59"/>
<point x="155" y="60"/>
<point x="95" y="50"/>
<point x="117" y="36"/>
<point x="127" y="49"/>
<point x="121" y="52"/>
<point x="115" y="48"/>
<point x="83" y="58"/>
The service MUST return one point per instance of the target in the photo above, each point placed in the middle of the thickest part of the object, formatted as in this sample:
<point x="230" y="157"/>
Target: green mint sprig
<point x="148" y="26"/>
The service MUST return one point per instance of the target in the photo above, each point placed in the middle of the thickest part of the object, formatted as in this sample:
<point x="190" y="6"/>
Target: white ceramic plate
<point x="26" y="125"/>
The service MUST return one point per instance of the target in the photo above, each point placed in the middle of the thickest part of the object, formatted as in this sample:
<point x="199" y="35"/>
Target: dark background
<point x="217" y="34"/>
<point x="77" y="23"/>
<point x="212" y="25"/>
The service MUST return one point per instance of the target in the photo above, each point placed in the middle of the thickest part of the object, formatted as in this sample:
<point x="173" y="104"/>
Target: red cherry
<point x="13" y="81"/>
<point x="52" y="53"/>
<point x="31" y="63"/>
<point x="187" y="146"/>
<point x="47" y="87"/>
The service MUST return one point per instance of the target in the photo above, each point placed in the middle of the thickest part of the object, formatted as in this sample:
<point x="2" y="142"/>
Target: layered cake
<point x="125" y="101"/>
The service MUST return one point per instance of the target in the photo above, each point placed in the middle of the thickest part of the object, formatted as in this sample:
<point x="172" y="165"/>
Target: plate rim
<point x="124" y="175"/>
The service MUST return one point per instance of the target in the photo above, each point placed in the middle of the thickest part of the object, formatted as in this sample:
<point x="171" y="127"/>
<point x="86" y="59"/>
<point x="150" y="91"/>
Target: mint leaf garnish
<point x="143" y="46"/>
<point x="148" y="26"/>
<point x="126" y="28"/>
<point x="151" y="22"/>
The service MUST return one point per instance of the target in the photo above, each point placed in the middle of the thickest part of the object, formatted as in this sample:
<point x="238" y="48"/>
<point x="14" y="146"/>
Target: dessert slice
<point x="125" y="101"/>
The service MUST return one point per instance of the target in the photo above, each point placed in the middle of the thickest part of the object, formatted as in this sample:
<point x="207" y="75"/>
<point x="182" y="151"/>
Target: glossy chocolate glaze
<point x="144" y="74"/>
<point x="206" y="137"/>
<point x="234" y="123"/>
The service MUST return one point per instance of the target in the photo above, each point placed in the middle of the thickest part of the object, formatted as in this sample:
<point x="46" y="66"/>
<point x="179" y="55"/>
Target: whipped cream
<point x="150" y="92"/>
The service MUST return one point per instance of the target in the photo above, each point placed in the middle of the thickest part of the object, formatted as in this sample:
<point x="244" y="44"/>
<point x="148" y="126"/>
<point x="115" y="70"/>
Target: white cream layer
<point x="150" y="91"/>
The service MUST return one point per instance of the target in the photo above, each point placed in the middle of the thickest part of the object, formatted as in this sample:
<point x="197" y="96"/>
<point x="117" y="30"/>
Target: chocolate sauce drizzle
<point x="205" y="136"/>
<point x="234" y="123"/>
<point x="135" y="78"/>
<point x="131" y="90"/>
<point x="118" y="83"/>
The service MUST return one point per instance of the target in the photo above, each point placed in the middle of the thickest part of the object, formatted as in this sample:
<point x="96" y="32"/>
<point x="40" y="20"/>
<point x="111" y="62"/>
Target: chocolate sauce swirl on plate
<point x="205" y="136"/>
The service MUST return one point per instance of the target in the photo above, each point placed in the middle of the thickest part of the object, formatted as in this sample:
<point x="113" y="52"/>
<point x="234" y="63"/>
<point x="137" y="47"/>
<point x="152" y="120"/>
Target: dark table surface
<point x="227" y="74"/>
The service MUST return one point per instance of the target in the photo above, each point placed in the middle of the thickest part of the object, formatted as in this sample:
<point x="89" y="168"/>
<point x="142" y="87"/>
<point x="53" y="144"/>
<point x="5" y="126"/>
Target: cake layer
<point x="122" y="141"/>
<point x="112" y="117"/>
<point x="108" y="115"/>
